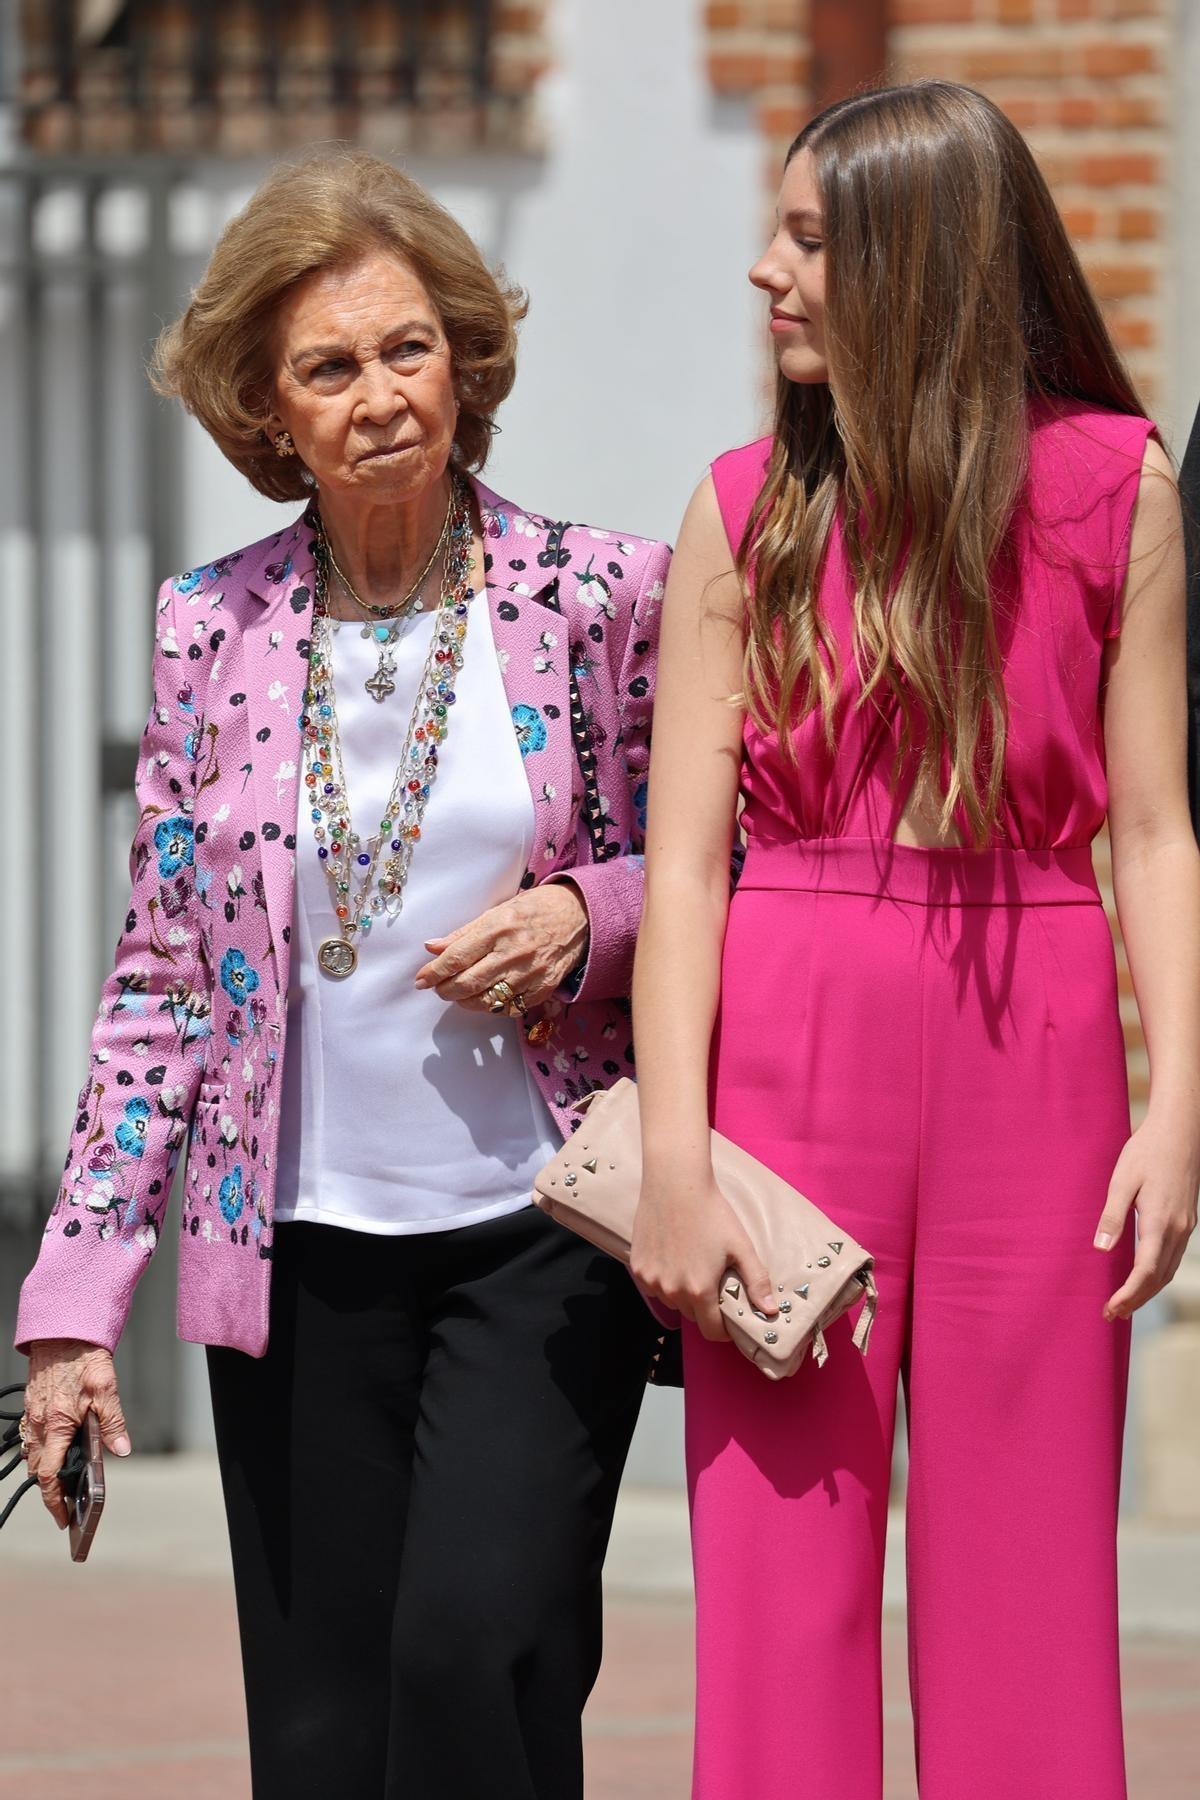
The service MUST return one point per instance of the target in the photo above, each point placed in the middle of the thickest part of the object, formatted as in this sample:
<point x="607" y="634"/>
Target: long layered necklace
<point x="349" y="859"/>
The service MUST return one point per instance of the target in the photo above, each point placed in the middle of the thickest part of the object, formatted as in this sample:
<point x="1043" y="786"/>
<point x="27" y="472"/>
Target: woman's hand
<point x="1158" y="1171"/>
<point x="531" y="941"/>
<point x="66" y="1379"/>
<point x="685" y="1237"/>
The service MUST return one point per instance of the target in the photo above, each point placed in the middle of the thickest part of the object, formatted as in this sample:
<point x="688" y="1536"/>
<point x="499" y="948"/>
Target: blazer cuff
<point x="66" y="1296"/>
<point x="612" y="896"/>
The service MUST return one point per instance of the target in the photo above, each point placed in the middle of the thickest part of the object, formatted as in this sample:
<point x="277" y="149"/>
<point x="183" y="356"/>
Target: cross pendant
<point x="379" y="686"/>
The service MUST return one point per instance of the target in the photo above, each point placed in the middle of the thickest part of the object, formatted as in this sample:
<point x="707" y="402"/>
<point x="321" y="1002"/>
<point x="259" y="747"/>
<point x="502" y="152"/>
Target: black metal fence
<point x="88" y="524"/>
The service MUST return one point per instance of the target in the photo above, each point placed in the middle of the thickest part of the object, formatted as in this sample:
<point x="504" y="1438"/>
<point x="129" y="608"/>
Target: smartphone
<point x="83" y="1490"/>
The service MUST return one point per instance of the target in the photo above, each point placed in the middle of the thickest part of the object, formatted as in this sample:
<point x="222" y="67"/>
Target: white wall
<point x="641" y="357"/>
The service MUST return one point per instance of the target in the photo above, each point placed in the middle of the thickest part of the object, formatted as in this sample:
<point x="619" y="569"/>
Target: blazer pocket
<point x="211" y="1101"/>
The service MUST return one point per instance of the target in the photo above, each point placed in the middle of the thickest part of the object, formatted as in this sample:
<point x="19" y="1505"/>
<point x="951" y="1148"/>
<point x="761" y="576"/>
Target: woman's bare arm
<point x="685" y="1235"/>
<point x="1156" y="879"/>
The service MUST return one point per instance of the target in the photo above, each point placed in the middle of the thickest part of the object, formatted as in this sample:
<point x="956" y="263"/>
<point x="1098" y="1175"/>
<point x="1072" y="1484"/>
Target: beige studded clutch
<point x="592" y="1186"/>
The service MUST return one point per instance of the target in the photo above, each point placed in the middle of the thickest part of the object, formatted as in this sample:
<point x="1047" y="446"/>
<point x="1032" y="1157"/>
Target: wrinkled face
<point x="363" y="380"/>
<point x="792" y="275"/>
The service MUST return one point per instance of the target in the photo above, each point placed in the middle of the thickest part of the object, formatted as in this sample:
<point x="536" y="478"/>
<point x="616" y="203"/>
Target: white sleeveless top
<point x="403" y="1112"/>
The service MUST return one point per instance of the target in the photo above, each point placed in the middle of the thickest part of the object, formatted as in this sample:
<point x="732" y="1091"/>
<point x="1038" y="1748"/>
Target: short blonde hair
<point x="324" y="213"/>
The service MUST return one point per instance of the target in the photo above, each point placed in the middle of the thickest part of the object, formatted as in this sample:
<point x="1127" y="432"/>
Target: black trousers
<point x="420" y="1477"/>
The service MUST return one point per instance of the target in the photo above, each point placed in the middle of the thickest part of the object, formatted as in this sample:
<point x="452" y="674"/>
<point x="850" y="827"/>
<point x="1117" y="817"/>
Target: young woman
<point x="931" y="631"/>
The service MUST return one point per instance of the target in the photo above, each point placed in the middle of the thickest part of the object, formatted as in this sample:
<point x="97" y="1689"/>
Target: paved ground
<point x="120" y="1680"/>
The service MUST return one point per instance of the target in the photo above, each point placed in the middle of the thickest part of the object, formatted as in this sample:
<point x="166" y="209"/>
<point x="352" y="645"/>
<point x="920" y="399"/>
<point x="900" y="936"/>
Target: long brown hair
<point x="952" y="296"/>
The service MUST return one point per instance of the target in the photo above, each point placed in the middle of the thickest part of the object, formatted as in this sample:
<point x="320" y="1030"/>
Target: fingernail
<point x="1104" y="1240"/>
<point x="122" y="1445"/>
<point x="421" y="982"/>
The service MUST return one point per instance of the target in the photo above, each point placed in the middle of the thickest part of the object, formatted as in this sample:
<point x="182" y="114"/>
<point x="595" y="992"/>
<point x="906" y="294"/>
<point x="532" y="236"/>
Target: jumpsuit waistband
<point x="953" y="876"/>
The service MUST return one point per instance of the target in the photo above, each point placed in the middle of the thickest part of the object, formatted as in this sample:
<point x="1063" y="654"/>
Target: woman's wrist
<point x="678" y="1166"/>
<point x="1175" y="1104"/>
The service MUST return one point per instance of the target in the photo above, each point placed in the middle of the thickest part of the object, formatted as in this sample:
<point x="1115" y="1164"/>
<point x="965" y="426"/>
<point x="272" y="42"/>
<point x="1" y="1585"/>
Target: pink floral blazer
<point x="192" y="1028"/>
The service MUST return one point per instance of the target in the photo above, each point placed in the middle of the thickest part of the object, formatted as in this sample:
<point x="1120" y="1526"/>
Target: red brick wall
<point x="1088" y="82"/>
<point x="759" y="50"/>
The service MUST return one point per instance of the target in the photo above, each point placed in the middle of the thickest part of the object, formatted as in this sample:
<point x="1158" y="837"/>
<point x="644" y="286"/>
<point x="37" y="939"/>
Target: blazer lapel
<point x="276" y="670"/>
<point x="533" y="645"/>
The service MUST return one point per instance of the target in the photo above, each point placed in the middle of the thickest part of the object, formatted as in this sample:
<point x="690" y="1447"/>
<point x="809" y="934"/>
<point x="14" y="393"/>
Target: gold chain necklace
<point x="383" y="626"/>
<point x="390" y="612"/>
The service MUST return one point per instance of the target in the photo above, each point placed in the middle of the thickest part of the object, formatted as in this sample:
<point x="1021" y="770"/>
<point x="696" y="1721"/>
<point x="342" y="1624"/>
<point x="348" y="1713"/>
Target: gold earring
<point x="283" y="444"/>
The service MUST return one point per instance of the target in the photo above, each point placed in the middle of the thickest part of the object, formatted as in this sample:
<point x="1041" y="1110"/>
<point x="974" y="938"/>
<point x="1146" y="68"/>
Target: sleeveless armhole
<point x="737" y="477"/>
<point x="1127" y="451"/>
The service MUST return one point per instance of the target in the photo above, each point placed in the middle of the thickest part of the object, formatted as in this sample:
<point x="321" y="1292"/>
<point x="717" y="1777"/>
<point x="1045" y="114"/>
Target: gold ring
<point x="24" y="1434"/>
<point x="518" y="1001"/>
<point x="499" y="997"/>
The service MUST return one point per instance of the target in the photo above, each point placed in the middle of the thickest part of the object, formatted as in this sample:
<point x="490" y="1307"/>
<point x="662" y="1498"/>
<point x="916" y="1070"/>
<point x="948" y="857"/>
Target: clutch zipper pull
<point x="866" y="1318"/>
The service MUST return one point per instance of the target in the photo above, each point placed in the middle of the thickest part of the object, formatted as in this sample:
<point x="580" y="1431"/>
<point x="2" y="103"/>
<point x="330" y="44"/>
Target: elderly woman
<point x="385" y="896"/>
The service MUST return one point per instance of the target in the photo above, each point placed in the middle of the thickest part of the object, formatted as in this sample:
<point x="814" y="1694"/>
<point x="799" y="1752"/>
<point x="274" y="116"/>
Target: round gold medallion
<point x="337" y="957"/>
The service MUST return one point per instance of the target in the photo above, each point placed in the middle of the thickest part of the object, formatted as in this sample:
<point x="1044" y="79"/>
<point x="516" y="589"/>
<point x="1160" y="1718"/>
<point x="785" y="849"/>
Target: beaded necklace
<point x="345" y="855"/>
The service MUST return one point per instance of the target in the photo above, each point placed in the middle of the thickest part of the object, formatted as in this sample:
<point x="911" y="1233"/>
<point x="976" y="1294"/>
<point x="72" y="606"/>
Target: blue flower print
<point x="191" y="745"/>
<point x="131" y="1132"/>
<point x="530" y="728"/>
<point x="237" y="977"/>
<point x="232" y="1195"/>
<point x="174" y="843"/>
<point x="188" y="582"/>
<point x="639" y="803"/>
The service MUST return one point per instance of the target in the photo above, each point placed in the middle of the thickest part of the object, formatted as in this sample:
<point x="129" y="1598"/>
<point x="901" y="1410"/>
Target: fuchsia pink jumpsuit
<point x="927" y="1043"/>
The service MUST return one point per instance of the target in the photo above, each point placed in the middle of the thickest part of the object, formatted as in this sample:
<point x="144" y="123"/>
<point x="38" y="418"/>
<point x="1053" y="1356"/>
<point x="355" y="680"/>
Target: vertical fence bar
<point x="160" y="432"/>
<point x="96" y="511"/>
<point x="42" y="597"/>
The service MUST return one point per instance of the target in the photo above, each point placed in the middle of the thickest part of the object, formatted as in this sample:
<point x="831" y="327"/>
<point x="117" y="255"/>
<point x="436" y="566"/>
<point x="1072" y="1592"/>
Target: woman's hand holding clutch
<point x="686" y="1237"/>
